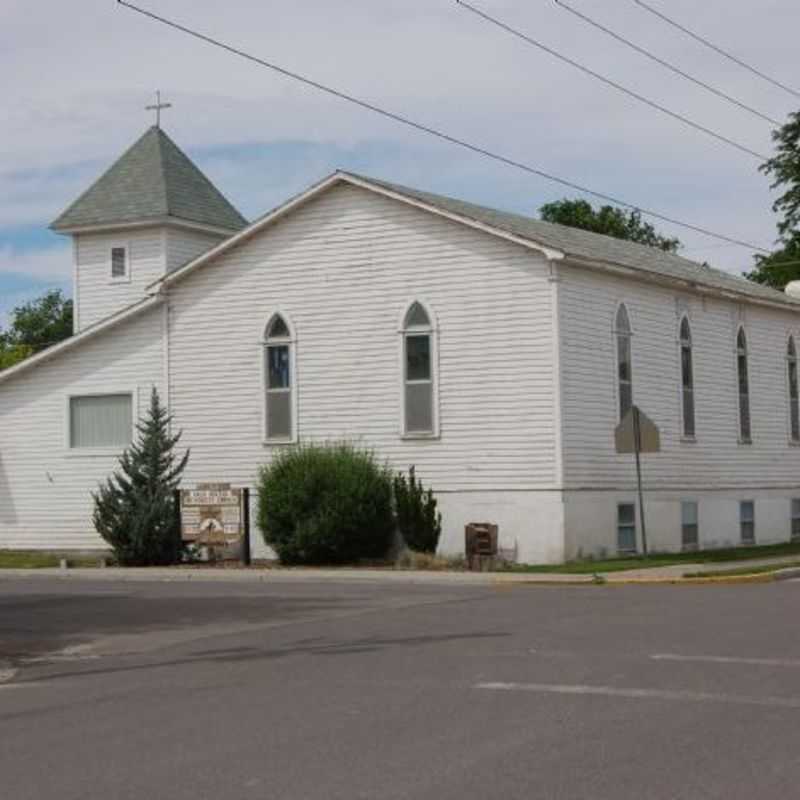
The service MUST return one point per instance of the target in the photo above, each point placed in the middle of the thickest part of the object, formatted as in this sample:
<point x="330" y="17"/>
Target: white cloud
<point x="78" y="101"/>
<point x="51" y="264"/>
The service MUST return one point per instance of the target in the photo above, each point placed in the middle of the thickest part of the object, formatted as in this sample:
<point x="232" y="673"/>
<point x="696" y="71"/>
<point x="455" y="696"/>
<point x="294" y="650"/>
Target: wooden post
<point x="176" y="497"/>
<point x="637" y="439"/>
<point x="246" y="558"/>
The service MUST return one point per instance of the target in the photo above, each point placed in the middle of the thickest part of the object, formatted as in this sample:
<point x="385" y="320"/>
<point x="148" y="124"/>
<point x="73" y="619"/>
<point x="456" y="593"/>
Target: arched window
<point x="419" y="415"/>
<point x="622" y="330"/>
<point x="794" y="414"/>
<point x="687" y="378"/>
<point x="279" y="381"/>
<point x="744" y="386"/>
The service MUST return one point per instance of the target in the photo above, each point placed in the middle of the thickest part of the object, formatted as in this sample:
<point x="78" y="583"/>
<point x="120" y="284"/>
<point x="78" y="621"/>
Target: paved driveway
<point x="393" y="690"/>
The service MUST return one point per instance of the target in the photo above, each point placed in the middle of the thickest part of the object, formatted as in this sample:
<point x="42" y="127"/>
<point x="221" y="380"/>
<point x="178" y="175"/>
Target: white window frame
<point x="792" y="357"/>
<point x="794" y="515"/>
<point x="432" y="331"/>
<point x="81" y="452"/>
<point x="743" y="440"/>
<point x="126" y="246"/>
<point x="742" y="521"/>
<point x="696" y="545"/>
<point x="291" y="342"/>
<point x="617" y="334"/>
<point x="686" y="437"/>
<point x="617" y="526"/>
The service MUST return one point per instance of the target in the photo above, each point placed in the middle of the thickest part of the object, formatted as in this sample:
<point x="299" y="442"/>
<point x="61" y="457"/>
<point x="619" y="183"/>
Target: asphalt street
<point x="379" y="690"/>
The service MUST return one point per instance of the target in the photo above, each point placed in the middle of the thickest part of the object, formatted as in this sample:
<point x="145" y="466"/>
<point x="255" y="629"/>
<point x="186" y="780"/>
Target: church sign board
<point x="211" y="515"/>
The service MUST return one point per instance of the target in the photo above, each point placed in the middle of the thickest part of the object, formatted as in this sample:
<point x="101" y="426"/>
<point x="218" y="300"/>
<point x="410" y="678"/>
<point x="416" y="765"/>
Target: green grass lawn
<point x="589" y="566"/>
<point x="35" y="559"/>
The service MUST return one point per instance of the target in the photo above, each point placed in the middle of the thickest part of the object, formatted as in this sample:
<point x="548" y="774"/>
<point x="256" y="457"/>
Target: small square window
<point x="119" y="263"/>
<point x="626" y="528"/>
<point x="796" y="519"/>
<point x="747" y="521"/>
<point x="689" y="525"/>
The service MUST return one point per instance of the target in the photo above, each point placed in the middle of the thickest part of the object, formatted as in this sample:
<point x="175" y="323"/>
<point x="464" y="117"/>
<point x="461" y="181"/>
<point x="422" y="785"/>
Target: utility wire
<point x="437" y="133"/>
<point x="667" y="64"/>
<point x="716" y="48"/>
<point x="619" y="87"/>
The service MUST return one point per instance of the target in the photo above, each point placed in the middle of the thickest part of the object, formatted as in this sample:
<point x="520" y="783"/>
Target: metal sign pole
<point x="637" y="439"/>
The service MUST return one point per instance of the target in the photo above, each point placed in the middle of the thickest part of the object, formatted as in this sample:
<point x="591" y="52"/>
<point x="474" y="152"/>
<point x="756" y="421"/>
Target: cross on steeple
<point x="157" y="108"/>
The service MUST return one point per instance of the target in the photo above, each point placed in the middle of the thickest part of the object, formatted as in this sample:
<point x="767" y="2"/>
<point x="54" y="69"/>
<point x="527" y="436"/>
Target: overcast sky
<point x="77" y="76"/>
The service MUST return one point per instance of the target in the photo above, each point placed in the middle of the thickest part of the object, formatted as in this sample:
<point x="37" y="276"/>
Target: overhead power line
<point x="437" y="133"/>
<point x="667" y="64"/>
<point x="609" y="82"/>
<point x="716" y="48"/>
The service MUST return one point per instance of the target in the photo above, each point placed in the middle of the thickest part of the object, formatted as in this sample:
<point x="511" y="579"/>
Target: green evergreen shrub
<point x="417" y="517"/>
<point x="134" y="511"/>
<point x="326" y="504"/>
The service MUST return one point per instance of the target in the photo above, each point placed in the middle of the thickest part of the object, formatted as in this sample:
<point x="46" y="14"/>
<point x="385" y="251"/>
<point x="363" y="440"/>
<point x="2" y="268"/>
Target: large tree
<point x="34" y="326"/>
<point x="782" y="266"/>
<point x="608" y="220"/>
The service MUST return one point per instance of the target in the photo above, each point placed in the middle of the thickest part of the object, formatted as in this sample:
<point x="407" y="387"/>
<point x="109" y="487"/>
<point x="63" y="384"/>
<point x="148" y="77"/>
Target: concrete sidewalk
<point x="654" y="575"/>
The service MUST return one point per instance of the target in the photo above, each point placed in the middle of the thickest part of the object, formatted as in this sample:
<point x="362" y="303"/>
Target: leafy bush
<point x="326" y="504"/>
<point x="417" y="518"/>
<point x="134" y="511"/>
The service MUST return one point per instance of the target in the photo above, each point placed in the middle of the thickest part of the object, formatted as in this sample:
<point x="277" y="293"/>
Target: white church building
<point x="494" y="352"/>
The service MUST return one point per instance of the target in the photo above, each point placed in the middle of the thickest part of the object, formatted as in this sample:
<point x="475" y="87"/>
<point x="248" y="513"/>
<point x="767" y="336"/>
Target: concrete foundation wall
<point x="591" y="518"/>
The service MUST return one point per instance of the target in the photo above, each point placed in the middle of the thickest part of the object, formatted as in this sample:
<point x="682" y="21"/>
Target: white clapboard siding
<point x="44" y="489"/>
<point x="96" y="295"/>
<point x="343" y="269"/>
<point x="716" y="460"/>
<point x="183" y="245"/>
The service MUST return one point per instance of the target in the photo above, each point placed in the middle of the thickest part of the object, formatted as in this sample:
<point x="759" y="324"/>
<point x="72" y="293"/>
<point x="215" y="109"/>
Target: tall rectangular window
<point x="119" y="263"/>
<point x="626" y="528"/>
<point x="100" y="421"/>
<point x="747" y="521"/>
<point x="278" y="379"/>
<point x="795" y="519"/>
<point x="794" y="408"/>
<point x="418" y="378"/>
<point x="687" y="379"/>
<point x="744" y="387"/>
<point x="279" y="414"/>
<point x="689" y="525"/>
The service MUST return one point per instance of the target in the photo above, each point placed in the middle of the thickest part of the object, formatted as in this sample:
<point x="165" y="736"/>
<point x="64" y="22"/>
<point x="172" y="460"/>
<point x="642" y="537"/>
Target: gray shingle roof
<point x="153" y="179"/>
<point x="593" y="246"/>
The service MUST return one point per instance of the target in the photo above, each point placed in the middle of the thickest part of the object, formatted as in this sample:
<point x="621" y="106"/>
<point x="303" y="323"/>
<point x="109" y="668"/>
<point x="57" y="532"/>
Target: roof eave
<point x="75" y="340"/>
<point x="688" y="285"/>
<point x="175" y="222"/>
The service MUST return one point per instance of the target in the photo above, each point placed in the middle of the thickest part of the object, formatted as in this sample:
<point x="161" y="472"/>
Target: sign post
<point x="638" y="434"/>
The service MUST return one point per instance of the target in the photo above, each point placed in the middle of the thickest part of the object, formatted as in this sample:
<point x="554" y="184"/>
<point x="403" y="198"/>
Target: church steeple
<point x="153" y="182"/>
<point x="149" y="213"/>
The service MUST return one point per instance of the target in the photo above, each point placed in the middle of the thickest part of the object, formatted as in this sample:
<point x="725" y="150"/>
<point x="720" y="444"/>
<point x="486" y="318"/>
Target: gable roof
<point x="153" y="180"/>
<point x="555" y="241"/>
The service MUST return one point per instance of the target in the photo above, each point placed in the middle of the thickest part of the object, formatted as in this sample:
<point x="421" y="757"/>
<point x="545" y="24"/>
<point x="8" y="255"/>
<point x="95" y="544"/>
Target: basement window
<point x="626" y="528"/>
<point x="747" y="521"/>
<point x="795" y="520"/>
<point x="689" y="525"/>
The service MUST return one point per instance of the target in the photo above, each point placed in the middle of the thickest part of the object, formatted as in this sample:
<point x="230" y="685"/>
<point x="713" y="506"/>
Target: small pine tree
<point x="417" y="517"/>
<point x="134" y="511"/>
